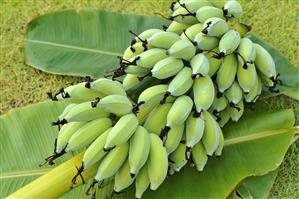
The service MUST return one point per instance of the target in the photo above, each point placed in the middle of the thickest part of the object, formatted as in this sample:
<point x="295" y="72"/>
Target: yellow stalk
<point x="56" y="182"/>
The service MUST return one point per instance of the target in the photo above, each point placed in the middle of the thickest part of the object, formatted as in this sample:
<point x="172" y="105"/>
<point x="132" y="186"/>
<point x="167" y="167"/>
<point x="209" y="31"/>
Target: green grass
<point x="275" y="21"/>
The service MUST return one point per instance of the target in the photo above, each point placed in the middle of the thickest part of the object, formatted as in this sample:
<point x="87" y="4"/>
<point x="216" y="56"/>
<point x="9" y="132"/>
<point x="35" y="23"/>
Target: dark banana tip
<point x="132" y="175"/>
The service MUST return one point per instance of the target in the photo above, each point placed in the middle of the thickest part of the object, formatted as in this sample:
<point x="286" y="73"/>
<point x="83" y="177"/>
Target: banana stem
<point x="56" y="182"/>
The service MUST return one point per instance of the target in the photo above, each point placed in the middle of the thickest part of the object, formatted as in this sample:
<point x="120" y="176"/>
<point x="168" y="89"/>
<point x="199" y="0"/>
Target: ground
<point x="275" y="21"/>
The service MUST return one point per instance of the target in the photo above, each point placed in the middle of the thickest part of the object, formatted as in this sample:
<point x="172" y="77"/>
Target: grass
<point x="275" y="21"/>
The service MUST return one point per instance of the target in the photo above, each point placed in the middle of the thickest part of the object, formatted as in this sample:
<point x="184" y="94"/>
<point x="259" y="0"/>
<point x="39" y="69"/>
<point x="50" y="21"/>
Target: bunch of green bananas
<point x="204" y="72"/>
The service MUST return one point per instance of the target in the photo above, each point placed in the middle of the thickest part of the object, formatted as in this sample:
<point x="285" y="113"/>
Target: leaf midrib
<point x="228" y="142"/>
<point x="105" y="52"/>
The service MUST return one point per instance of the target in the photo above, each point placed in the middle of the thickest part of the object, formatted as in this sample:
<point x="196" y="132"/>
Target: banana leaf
<point x="82" y="42"/>
<point x="254" y="146"/>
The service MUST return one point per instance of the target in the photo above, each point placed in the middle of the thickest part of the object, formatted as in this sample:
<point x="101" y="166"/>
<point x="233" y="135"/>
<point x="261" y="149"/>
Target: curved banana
<point x="246" y="51"/>
<point x="200" y="65"/>
<point x="208" y="12"/>
<point x="234" y="94"/>
<point x="147" y="34"/>
<point x="215" y="27"/>
<point x="181" y="83"/>
<point x="130" y="81"/>
<point x="229" y="42"/>
<point x="182" y="49"/>
<point x="210" y="137"/>
<point x="199" y="156"/>
<point x="237" y="111"/>
<point x="163" y="39"/>
<point x="176" y="27"/>
<point x="122" y="178"/>
<point x="246" y="77"/>
<point x="152" y="95"/>
<point x="134" y="50"/>
<point x="219" y="103"/>
<point x="136" y="70"/>
<point x="194" y="130"/>
<point x="108" y="87"/>
<point x="139" y="149"/>
<point x="167" y="67"/>
<point x="156" y="119"/>
<point x="121" y="131"/>
<point x="178" y="158"/>
<point x="223" y="117"/>
<point x="142" y="182"/>
<point x="87" y="134"/>
<point x="112" y="162"/>
<point x="204" y="42"/>
<point x="219" y="149"/>
<point x="66" y="110"/>
<point x="255" y="92"/>
<point x="227" y="72"/>
<point x="232" y="9"/>
<point x="174" y="138"/>
<point x="150" y="57"/>
<point x="264" y="62"/>
<point x="182" y="15"/>
<point x="192" y="5"/>
<point x="214" y="62"/>
<point x="191" y="32"/>
<point x="143" y="113"/>
<point x="204" y="93"/>
<point x="157" y="162"/>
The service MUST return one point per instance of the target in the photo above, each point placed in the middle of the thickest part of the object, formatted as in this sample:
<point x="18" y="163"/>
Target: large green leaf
<point x="28" y="138"/>
<point x="82" y="42"/>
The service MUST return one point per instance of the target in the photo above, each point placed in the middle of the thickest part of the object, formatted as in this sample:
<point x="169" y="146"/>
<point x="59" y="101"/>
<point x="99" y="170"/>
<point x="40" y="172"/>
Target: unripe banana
<point x="136" y="70"/>
<point x="112" y="162"/>
<point x="192" y="5"/>
<point x="234" y="94"/>
<point x="139" y="149"/>
<point x="123" y="179"/>
<point x="152" y="95"/>
<point x="223" y="117"/>
<point x="266" y="81"/>
<point x="167" y="67"/>
<point x="179" y="111"/>
<point x="204" y="42"/>
<point x="204" y="93"/>
<point x="227" y="72"/>
<point x="66" y="133"/>
<point x="133" y="50"/>
<point x="246" y="77"/>
<point x="229" y="42"/>
<point x="163" y="39"/>
<point x="181" y="15"/>
<point x="199" y="156"/>
<point x="84" y="112"/>
<point x="174" y="137"/>
<point x="66" y="110"/>
<point x="210" y="137"/>
<point x="142" y="182"/>
<point x="95" y="152"/>
<point x="219" y="103"/>
<point x="181" y="83"/>
<point x="232" y="9"/>
<point x="143" y="113"/>
<point x="156" y="120"/>
<point x="88" y="133"/>
<point x="108" y="87"/>
<point x="121" y="131"/>
<point x="178" y="158"/>
<point x="219" y="149"/>
<point x="214" y="62"/>
<point x="130" y="81"/>
<point x="246" y="51"/>
<point x="237" y="111"/>
<point x="150" y="57"/>
<point x="118" y="105"/>
<point x="194" y="130"/>
<point x="255" y="92"/>
<point x="177" y="28"/>
<point x="264" y="62"/>
<point x="182" y="49"/>
<point x="191" y="32"/>
<point x="208" y="12"/>
<point x="215" y="27"/>
<point x="147" y="34"/>
<point x="200" y="65"/>
<point x="157" y="162"/>
<point x="78" y="93"/>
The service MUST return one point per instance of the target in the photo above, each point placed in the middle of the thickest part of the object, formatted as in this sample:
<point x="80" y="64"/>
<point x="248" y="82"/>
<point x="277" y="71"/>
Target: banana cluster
<point x="204" y="73"/>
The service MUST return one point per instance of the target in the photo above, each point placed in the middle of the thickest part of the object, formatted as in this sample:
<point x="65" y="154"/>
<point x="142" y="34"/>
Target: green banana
<point x="182" y="49"/>
<point x="178" y="158"/>
<point x="130" y="81"/>
<point x="232" y="9"/>
<point x="142" y="182"/>
<point x="174" y="137"/>
<point x="223" y="117"/>
<point x="66" y="110"/>
<point x="214" y="62"/>
<point x="215" y="26"/>
<point x="152" y="95"/>
<point x="204" y="42"/>
<point x="204" y="93"/>
<point x="143" y="113"/>
<point x="191" y="5"/>
<point x="234" y="94"/>
<point x="246" y="77"/>
<point x="210" y="137"/>
<point x="181" y="83"/>
<point x="136" y="70"/>
<point x="199" y="156"/>
<point x="227" y="72"/>
<point x="219" y="149"/>
<point x="122" y="178"/>
<point x="237" y="111"/>
<point x="177" y="28"/>
<point x="163" y="39"/>
<point x="255" y="92"/>
<point x="167" y="67"/>
<point x="108" y="87"/>
<point x="112" y="162"/>
<point x="219" y="103"/>
<point x="121" y="131"/>
<point x="182" y="15"/>
<point x="157" y="162"/>
<point x="147" y="34"/>
<point x="200" y="65"/>
<point x="246" y="51"/>
<point x="229" y="42"/>
<point x="208" y="12"/>
<point x="134" y="50"/>
<point x="150" y="57"/>
<point x="218" y="3"/>
<point x="139" y="149"/>
<point x="87" y="134"/>
<point x="194" y="130"/>
<point x="191" y="32"/>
